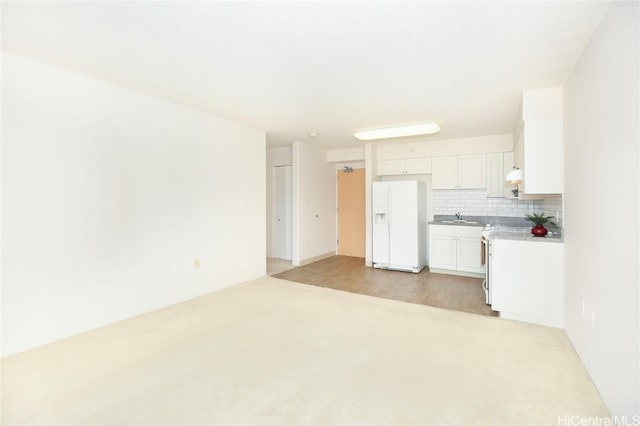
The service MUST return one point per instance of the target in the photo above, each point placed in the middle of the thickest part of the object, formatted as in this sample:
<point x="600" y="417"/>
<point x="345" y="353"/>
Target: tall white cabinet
<point x="539" y="142"/>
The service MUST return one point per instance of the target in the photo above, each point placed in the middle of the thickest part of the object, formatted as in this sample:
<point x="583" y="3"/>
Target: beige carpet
<point x="277" y="352"/>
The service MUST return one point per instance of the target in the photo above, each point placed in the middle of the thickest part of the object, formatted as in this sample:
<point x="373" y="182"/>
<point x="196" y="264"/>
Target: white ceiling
<point x="333" y="67"/>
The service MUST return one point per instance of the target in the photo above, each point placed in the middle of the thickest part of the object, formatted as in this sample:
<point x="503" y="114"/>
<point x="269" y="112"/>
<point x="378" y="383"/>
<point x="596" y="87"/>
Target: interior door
<point x="282" y="209"/>
<point x="351" y="213"/>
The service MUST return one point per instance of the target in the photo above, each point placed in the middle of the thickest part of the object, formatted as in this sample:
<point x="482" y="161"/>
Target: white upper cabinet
<point x="543" y="157"/>
<point x="417" y="165"/>
<point x="507" y="166"/>
<point x="390" y="167"/>
<point x="409" y="166"/>
<point x="472" y="171"/>
<point x="459" y="172"/>
<point x="499" y="164"/>
<point x="495" y="174"/>
<point x="399" y="151"/>
<point x="402" y="159"/>
<point x="445" y="172"/>
<point x="539" y="142"/>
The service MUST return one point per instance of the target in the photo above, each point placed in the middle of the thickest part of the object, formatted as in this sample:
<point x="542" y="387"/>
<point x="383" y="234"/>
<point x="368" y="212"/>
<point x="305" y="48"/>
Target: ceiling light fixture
<point x="398" y="132"/>
<point x="314" y="134"/>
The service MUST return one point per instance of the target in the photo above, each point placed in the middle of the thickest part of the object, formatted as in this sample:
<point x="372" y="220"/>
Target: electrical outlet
<point x="196" y="263"/>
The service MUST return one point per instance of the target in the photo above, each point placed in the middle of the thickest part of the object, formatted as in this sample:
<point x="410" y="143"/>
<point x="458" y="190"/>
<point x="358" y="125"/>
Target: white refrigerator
<point x="399" y="225"/>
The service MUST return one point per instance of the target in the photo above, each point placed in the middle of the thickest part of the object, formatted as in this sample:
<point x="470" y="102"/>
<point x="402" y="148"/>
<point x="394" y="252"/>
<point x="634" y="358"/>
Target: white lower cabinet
<point x="468" y="254"/>
<point x="455" y="250"/>
<point x="442" y="251"/>
<point x="526" y="279"/>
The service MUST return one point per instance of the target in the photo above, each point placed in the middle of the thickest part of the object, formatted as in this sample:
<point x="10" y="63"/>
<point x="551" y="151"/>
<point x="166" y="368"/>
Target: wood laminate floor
<point x="350" y="274"/>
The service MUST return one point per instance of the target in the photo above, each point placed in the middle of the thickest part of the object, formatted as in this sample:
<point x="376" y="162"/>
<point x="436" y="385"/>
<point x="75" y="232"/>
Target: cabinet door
<point x="527" y="281"/>
<point x="468" y="254"/>
<point x="390" y="167"/>
<point x="442" y="252"/>
<point x="543" y="158"/>
<point x="472" y="171"/>
<point x="445" y="172"/>
<point x="417" y="165"/>
<point x="495" y="175"/>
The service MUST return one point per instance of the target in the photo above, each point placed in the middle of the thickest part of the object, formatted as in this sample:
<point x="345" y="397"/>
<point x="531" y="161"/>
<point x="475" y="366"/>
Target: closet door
<point x="282" y="218"/>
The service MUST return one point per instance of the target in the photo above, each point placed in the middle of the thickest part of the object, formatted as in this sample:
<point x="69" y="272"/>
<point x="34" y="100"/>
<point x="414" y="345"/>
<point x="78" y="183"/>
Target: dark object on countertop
<point x="539" y="220"/>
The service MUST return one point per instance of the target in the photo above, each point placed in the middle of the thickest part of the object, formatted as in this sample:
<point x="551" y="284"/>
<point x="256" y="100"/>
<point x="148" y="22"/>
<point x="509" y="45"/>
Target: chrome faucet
<point x="458" y="216"/>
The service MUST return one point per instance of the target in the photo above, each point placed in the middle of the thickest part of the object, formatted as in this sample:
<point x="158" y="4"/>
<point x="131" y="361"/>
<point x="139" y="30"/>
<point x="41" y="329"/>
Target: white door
<point x="282" y="212"/>
<point x="403" y="227"/>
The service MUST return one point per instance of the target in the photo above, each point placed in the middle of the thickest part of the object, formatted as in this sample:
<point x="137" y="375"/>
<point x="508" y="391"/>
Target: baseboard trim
<point x="460" y="273"/>
<point x="316" y="258"/>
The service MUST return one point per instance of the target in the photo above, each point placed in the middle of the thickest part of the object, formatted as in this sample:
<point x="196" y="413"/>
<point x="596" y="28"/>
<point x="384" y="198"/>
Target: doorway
<point x="351" y="212"/>
<point x="282" y="212"/>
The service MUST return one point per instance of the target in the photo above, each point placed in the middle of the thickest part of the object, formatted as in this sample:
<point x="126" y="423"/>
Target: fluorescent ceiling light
<point x="514" y="176"/>
<point x="397" y="132"/>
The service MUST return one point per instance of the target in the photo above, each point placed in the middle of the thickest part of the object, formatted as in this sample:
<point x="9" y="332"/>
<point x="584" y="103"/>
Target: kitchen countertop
<point x="448" y="222"/>
<point x="502" y="227"/>
<point x="518" y="234"/>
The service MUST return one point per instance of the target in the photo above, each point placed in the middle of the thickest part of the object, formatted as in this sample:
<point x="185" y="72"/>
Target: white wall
<point x="371" y="175"/>
<point x="277" y="156"/>
<point x="601" y="208"/>
<point x="345" y="155"/>
<point x="108" y="197"/>
<point x="314" y="203"/>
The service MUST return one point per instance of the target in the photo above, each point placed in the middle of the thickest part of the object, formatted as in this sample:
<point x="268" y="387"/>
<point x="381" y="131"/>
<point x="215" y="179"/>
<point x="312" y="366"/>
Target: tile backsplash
<point x="474" y="202"/>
